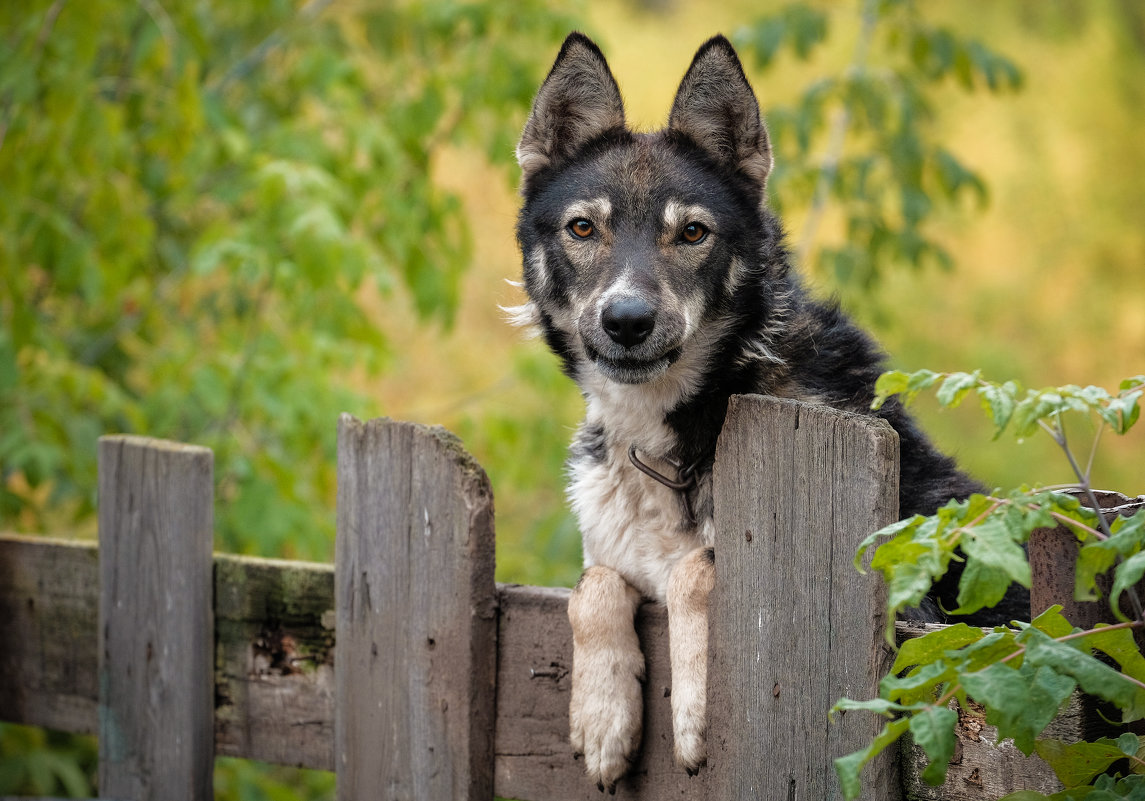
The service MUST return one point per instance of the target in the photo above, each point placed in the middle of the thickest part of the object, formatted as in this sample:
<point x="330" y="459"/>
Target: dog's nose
<point x="628" y="321"/>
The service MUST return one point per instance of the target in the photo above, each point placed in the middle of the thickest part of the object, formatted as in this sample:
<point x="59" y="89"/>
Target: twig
<point x="247" y="64"/>
<point x="1093" y="449"/>
<point x="41" y="40"/>
<point x="1132" y="624"/>
<point x="1058" y="516"/>
<point x="1091" y="498"/>
<point x="163" y="22"/>
<point x="1067" y="521"/>
<point x="837" y="137"/>
<point x="997" y="502"/>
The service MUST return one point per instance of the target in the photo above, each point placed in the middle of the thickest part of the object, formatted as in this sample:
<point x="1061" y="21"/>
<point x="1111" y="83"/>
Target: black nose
<point x="628" y="321"/>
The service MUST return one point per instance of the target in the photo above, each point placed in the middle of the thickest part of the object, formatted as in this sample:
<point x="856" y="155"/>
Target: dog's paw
<point x="690" y="748"/>
<point x="606" y="719"/>
<point x="688" y="728"/>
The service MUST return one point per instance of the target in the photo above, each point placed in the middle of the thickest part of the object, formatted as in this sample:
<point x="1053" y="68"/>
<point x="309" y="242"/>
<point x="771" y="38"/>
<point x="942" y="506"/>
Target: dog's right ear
<point x="578" y="102"/>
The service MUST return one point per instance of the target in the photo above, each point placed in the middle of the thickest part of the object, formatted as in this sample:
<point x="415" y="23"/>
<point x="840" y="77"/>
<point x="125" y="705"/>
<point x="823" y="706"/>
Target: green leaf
<point x="1098" y="556"/>
<point x="893" y="382"/>
<point x="933" y="730"/>
<point x="1129" y="743"/>
<point x="1020" y="702"/>
<point x="955" y="387"/>
<point x="906" y="384"/>
<point x="993" y="561"/>
<point x="927" y="648"/>
<point x="980" y="586"/>
<point x="1036" y="407"/>
<point x="1119" y="644"/>
<point x="918" y="685"/>
<point x="1093" y="676"/>
<point x="910" y="563"/>
<point x="887" y="532"/>
<point x="1127" y="575"/>
<point x="993" y="647"/>
<point x="999" y="401"/>
<point x="1122" y="413"/>
<point x="1076" y="764"/>
<point x="848" y="767"/>
<point x="1105" y="788"/>
<point x="1052" y="622"/>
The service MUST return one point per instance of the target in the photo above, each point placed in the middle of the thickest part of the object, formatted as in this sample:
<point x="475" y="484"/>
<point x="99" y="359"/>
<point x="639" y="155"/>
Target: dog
<point x="656" y="273"/>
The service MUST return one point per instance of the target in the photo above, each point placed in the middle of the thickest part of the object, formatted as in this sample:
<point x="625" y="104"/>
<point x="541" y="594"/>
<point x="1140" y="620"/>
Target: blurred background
<point x="225" y="223"/>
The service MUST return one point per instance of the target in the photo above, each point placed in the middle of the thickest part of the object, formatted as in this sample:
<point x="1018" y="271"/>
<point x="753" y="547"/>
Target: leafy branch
<point x="863" y="140"/>
<point x="1020" y="675"/>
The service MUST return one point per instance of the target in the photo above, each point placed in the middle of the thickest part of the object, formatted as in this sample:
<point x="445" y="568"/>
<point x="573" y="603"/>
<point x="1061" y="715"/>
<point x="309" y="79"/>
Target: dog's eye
<point x="693" y="233"/>
<point x="582" y="229"/>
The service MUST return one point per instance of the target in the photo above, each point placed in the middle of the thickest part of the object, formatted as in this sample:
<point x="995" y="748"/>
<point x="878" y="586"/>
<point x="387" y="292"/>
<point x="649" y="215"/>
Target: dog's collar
<point x="685" y="479"/>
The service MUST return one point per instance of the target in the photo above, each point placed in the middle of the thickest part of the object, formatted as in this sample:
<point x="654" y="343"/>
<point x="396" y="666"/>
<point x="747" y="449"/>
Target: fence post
<point x="416" y="626"/>
<point x="794" y="626"/>
<point x="156" y="649"/>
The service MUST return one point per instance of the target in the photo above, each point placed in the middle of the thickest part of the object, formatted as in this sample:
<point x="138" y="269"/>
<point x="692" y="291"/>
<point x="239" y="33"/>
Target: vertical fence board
<point x="156" y="707"/>
<point x="795" y="626"/>
<point x="1053" y="565"/>
<point x="416" y="628"/>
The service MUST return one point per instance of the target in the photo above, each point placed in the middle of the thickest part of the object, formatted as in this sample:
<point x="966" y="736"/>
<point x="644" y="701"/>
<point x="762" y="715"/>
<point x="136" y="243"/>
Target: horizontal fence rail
<point x="274" y="666"/>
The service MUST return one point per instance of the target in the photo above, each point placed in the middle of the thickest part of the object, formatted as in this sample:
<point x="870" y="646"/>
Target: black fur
<point x="811" y="349"/>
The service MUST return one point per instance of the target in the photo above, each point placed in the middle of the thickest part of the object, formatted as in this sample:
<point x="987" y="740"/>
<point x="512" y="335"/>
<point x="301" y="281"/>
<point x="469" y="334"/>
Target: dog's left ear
<point x="716" y="108"/>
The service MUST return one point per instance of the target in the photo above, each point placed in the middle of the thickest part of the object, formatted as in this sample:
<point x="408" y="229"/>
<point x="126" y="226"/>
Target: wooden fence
<point x="443" y="684"/>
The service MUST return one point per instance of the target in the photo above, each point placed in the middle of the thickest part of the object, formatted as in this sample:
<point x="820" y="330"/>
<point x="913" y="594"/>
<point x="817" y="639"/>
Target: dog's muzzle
<point x="634" y="350"/>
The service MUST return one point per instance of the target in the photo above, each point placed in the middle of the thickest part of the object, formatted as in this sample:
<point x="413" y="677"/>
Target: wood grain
<point x="416" y="616"/>
<point x="274" y="661"/>
<point x="795" y="626"/>
<point x="156" y="700"/>
<point x="274" y="648"/>
<point x="49" y="623"/>
<point x="533" y="757"/>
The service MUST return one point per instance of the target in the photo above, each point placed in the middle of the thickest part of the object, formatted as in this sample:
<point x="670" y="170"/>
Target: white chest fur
<point x="630" y="522"/>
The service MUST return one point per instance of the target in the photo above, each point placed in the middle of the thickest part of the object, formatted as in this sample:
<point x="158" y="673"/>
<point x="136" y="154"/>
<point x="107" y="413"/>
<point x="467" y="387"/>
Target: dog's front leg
<point x="689" y="586"/>
<point x="605" y="714"/>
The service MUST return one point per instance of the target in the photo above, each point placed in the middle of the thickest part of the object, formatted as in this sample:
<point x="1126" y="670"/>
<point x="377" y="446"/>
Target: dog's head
<point x="635" y="245"/>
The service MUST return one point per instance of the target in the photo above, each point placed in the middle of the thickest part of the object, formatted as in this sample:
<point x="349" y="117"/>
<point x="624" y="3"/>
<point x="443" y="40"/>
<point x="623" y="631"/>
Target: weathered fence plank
<point x="416" y="613"/>
<point x="156" y="706"/>
<point x="274" y="661"/>
<point x="274" y="648"/>
<point x="49" y="612"/>
<point x="797" y="488"/>
<point x="533" y="756"/>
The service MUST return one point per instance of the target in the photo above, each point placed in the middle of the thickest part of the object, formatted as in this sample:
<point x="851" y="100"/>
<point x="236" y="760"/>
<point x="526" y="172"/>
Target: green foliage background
<point x="227" y="223"/>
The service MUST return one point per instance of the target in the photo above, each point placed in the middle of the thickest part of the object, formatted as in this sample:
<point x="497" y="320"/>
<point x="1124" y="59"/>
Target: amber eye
<point x="693" y="233"/>
<point x="581" y="228"/>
